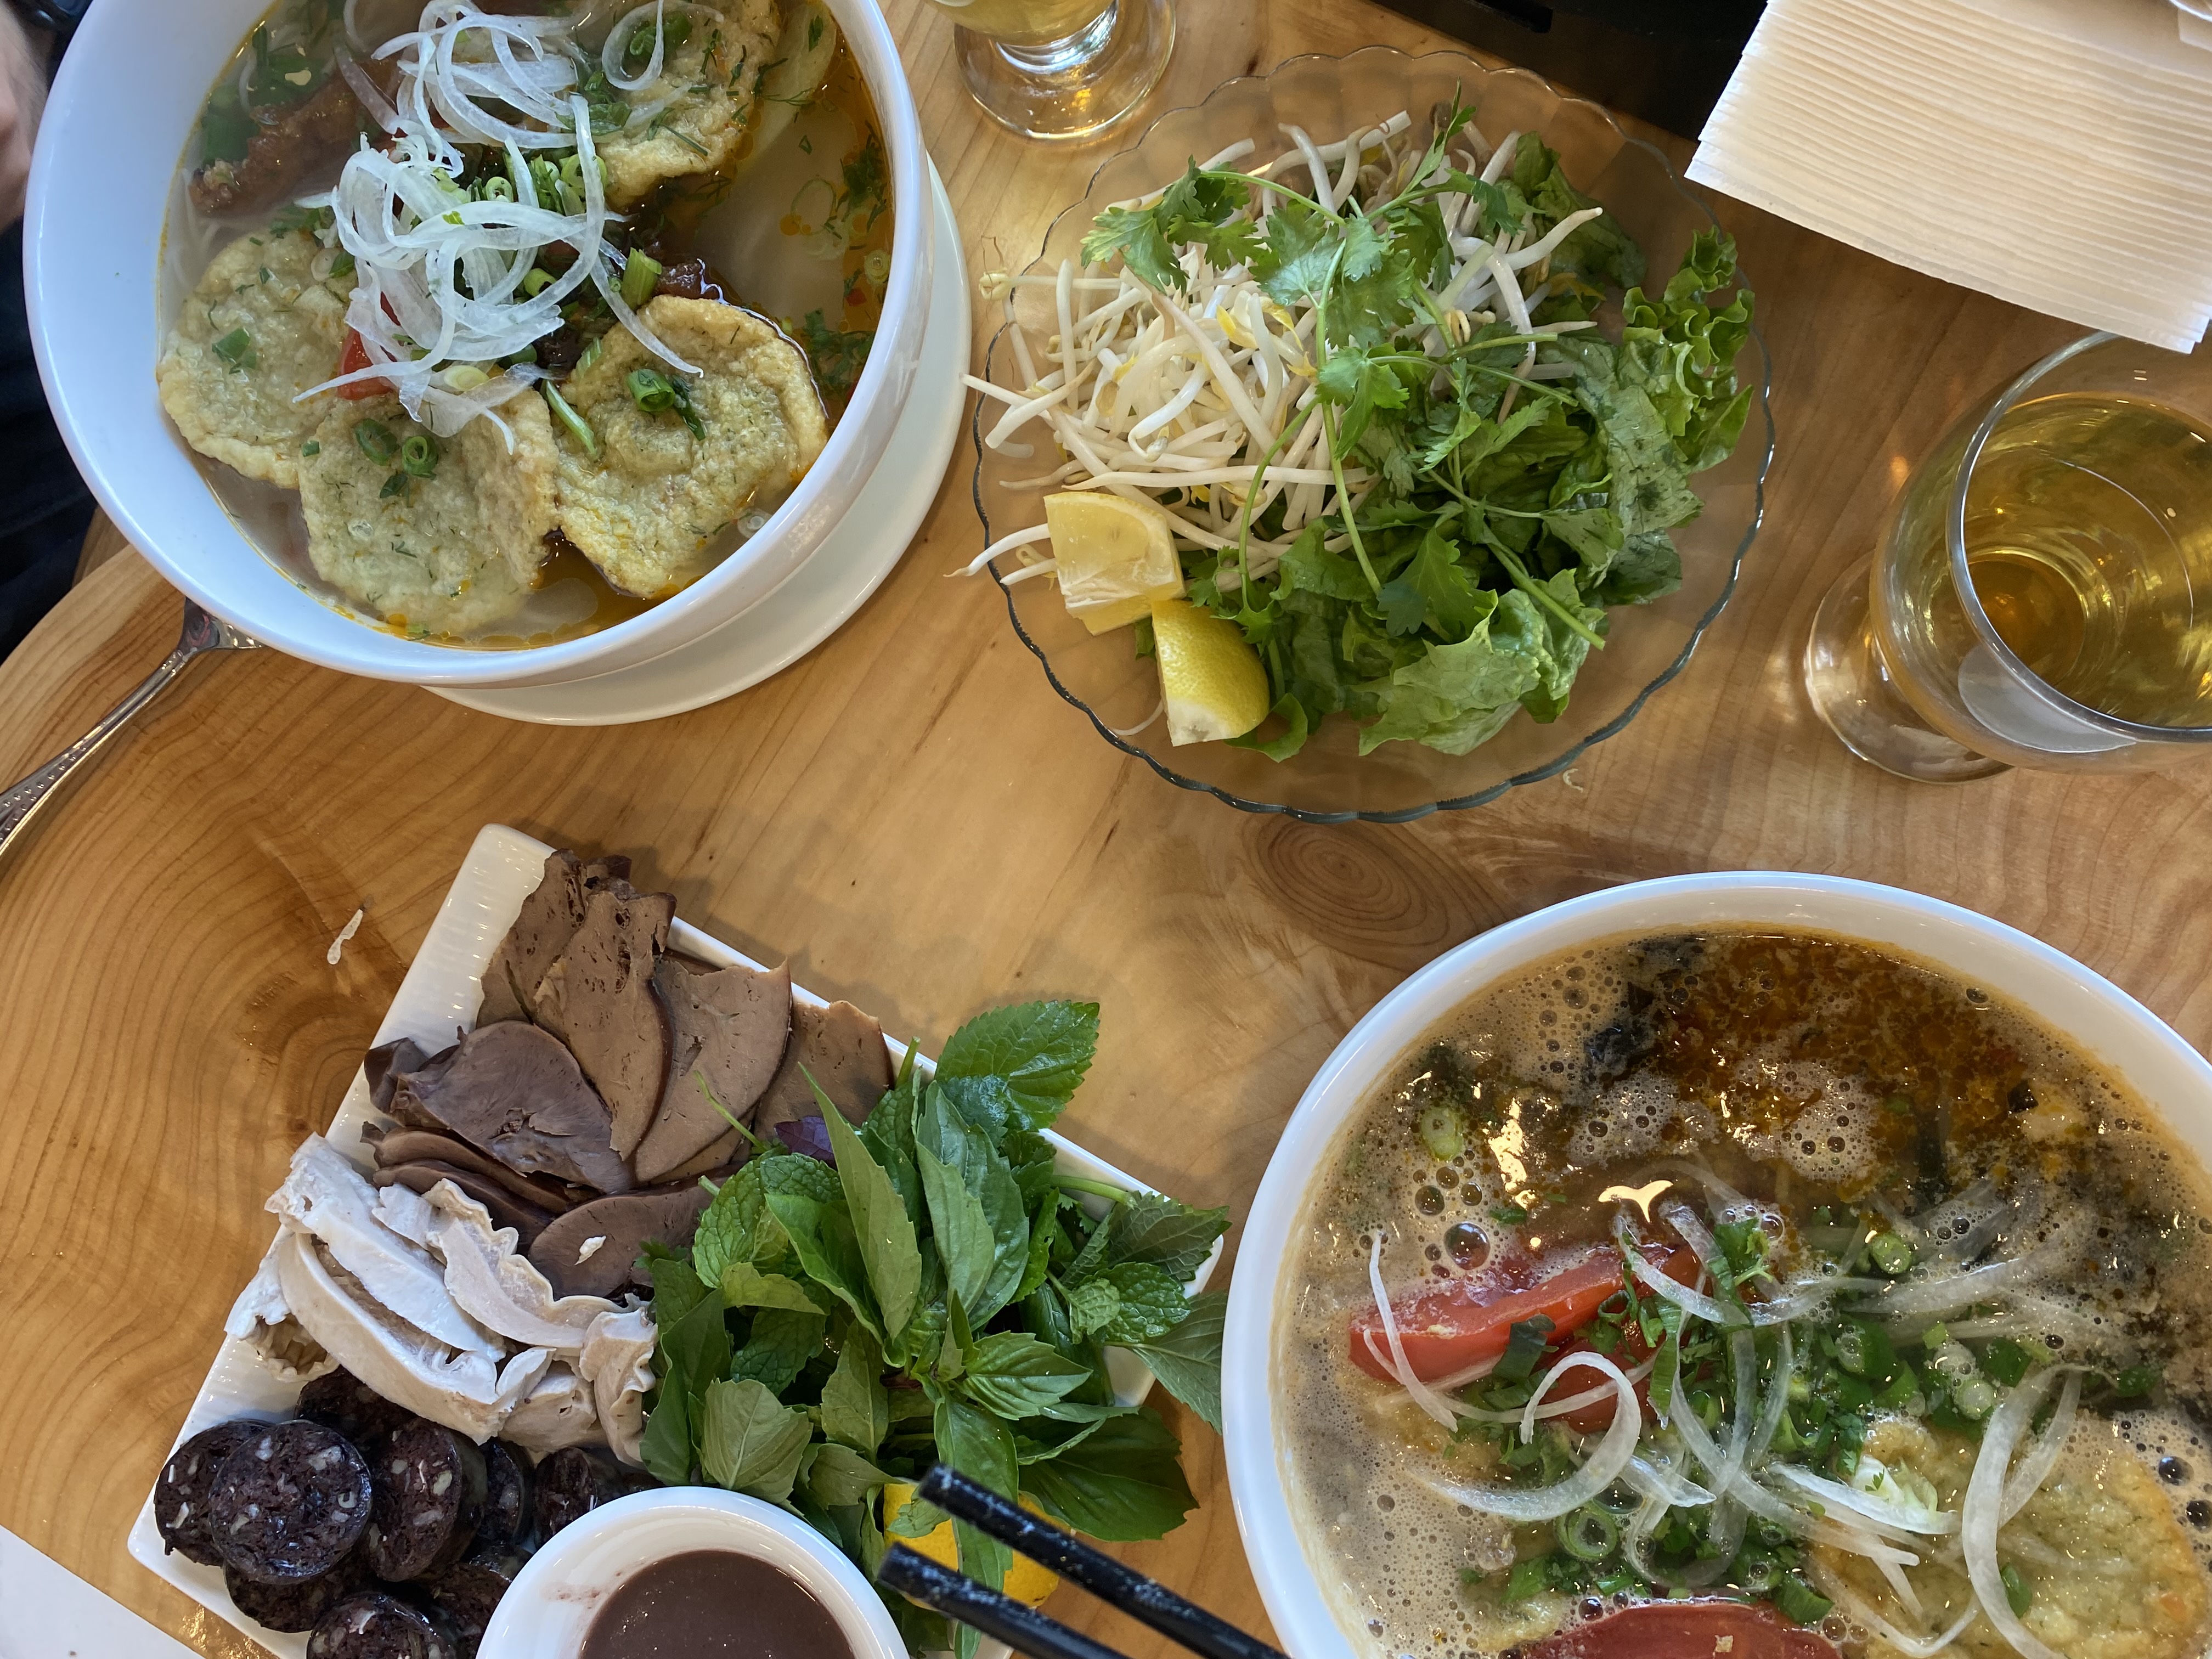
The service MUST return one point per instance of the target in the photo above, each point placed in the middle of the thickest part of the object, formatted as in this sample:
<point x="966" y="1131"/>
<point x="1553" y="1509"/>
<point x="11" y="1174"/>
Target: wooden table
<point x="924" y="828"/>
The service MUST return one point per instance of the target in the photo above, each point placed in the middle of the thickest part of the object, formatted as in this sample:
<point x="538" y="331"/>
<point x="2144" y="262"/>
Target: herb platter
<point x="439" y="993"/>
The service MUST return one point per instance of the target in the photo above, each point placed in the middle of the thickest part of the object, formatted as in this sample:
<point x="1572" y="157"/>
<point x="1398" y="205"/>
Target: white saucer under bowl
<point x="850" y="564"/>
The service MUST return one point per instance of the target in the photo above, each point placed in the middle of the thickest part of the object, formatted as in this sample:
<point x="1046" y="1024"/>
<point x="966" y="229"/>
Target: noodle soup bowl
<point x="104" y="285"/>
<point x="2130" y="1044"/>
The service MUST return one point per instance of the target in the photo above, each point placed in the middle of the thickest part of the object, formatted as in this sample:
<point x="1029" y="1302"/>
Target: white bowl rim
<point x="2136" y="1044"/>
<point x="50" y="254"/>
<point x="723" y="1520"/>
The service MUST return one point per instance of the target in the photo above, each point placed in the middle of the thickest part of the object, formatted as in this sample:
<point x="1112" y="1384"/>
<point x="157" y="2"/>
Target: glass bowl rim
<point x="1550" y="768"/>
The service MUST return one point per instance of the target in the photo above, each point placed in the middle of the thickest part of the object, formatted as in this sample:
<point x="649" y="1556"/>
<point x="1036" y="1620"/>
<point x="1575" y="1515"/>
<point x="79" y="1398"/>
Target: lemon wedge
<point x="1025" y="1580"/>
<point x="1212" y="681"/>
<point x="1117" y="557"/>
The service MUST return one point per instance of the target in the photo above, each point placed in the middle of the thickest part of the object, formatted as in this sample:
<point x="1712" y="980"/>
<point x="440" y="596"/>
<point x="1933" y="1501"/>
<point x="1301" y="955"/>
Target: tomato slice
<point x="1460" y="1325"/>
<point x="1686" y="1629"/>
<point x="354" y="356"/>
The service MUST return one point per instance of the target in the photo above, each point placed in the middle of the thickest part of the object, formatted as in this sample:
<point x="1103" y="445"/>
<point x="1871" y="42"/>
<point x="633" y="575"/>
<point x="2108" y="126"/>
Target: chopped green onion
<point x="2019" y="1594"/>
<point x="577" y="426"/>
<point x="496" y="189"/>
<point x="1935" y="1337"/>
<point x="1507" y="1215"/>
<point x="342" y="263"/>
<point x="536" y="281"/>
<point x="1588" y="1533"/>
<point x="1864" y="1350"/>
<point x="1977" y="1397"/>
<point x="1799" y="1602"/>
<point x="2007" y="1361"/>
<point x="1524" y="1350"/>
<point x="394" y="485"/>
<point x="2136" y="1381"/>
<point x="591" y="353"/>
<point x="418" y="455"/>
<point x="1900" y="1105"/>
<point x="1441" y="1132"/>
<point x="376" y="440"/>
<point x="876" y="267"/>
<point x="236" y="348"/>
<point x="310" y="449"/>
<point x="650" y="390"/>
<point x="676" y="30"/>
<point x="1892" y="1254"/>
<point x="640" y="272"/>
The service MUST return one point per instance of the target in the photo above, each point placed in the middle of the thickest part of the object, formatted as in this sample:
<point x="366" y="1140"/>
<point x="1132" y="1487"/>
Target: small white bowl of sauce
<point x="695" y="1571"/>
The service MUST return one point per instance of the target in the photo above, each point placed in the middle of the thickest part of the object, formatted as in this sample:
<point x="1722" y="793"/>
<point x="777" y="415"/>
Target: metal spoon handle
<point x="20" y="801"/>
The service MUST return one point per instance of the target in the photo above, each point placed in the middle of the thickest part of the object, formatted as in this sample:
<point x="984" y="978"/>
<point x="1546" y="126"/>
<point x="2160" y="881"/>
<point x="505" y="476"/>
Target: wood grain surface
<point x="922" y="827"/>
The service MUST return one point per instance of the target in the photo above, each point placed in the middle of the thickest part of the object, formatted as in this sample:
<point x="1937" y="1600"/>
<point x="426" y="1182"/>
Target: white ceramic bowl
<point x="2129" y="1039"/>
<point x="554" y="1598"/>
<point x="102" y="184"/>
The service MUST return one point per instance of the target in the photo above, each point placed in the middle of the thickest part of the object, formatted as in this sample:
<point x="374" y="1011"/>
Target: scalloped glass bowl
<point x="1329" y="780"/>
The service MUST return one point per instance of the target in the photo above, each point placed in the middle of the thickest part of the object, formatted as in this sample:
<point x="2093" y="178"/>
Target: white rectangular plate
<point x="438" y="996"/>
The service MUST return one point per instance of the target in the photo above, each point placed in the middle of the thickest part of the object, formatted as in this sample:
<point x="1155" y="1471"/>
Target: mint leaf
<point x="737" y="1227"/>
<point x="751" y="1443"/>
<point x="1018" y="1067"/>
<point x="779" y="1348"/>
<point x="1188" y="1358"/>
<point x="1170" y="1235"/>
<point x="1092" y="1307"/>
<point x="855" y="1405"/>
<point x="1121" y="1484"/>
<point x="1152" y="1302"/>
<point x="888" y="1245"/>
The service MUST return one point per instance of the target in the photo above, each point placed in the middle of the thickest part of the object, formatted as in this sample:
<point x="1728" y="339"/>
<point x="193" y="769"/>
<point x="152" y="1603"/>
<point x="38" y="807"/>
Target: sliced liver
<point x="625" y="1221"/>
<point x="542" y="929"/>
<point x="598" y="997"/>
<point x="516" y="1092"/>
<point x="393" y="1147"/>
<point x="843" y="1049"/>
<point x="730" y="1027"/>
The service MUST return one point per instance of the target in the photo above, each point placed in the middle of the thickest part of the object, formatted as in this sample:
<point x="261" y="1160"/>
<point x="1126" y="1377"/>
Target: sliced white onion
<point x="595" y="207"/>
<point x="1943" y="1293"/>
<point x="1689" y="1301"/>
<point x="1885" y="1518"/>
<point x="1808" y="1295"/>
<point x="1534" y="1409"/>
<point x="1777" y="1401"/>
<point x="1423" y="1396"/>
<point x="1550" y="1408"/>
<point x="365" y="90"/>
<point x="1982" y="1511"/>
<point x="1601" y="1469"/>
<point x="1856" y="1607"/>
<point x="1670" y="1486"/>
<point x="2024" y="1482"/>
<point x="618" y="48"/>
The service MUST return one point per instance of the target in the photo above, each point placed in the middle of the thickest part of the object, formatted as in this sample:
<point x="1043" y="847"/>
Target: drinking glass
<point x="1060" y="69"/>
<point x="2043" y="595"/>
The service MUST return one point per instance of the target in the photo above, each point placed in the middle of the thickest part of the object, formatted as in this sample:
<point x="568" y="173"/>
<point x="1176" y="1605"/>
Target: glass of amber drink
<point x="1061" y="69"/>
<point x="2043" y="595"/>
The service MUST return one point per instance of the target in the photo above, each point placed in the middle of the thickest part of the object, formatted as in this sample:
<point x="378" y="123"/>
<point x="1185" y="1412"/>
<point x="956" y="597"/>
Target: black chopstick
<point x="956" y="1596"/>
<point x="1146" y="1600"/>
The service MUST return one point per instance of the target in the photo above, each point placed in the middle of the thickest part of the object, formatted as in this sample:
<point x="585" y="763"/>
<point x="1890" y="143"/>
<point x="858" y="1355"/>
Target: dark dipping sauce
<point x="706" y="1603"/>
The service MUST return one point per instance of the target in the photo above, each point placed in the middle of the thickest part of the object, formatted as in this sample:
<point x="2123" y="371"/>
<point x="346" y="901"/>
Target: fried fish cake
<point x="712" y="78"/>
<point x="645" y="509"/>
<point x="450" y="553"/>
<point x="258" y="330"/>
<point x="2112" y="1573"/>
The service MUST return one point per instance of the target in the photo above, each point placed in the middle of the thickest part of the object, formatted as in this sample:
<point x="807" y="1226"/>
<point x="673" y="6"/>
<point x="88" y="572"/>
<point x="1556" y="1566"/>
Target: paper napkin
<point x="2053" y="153"/>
